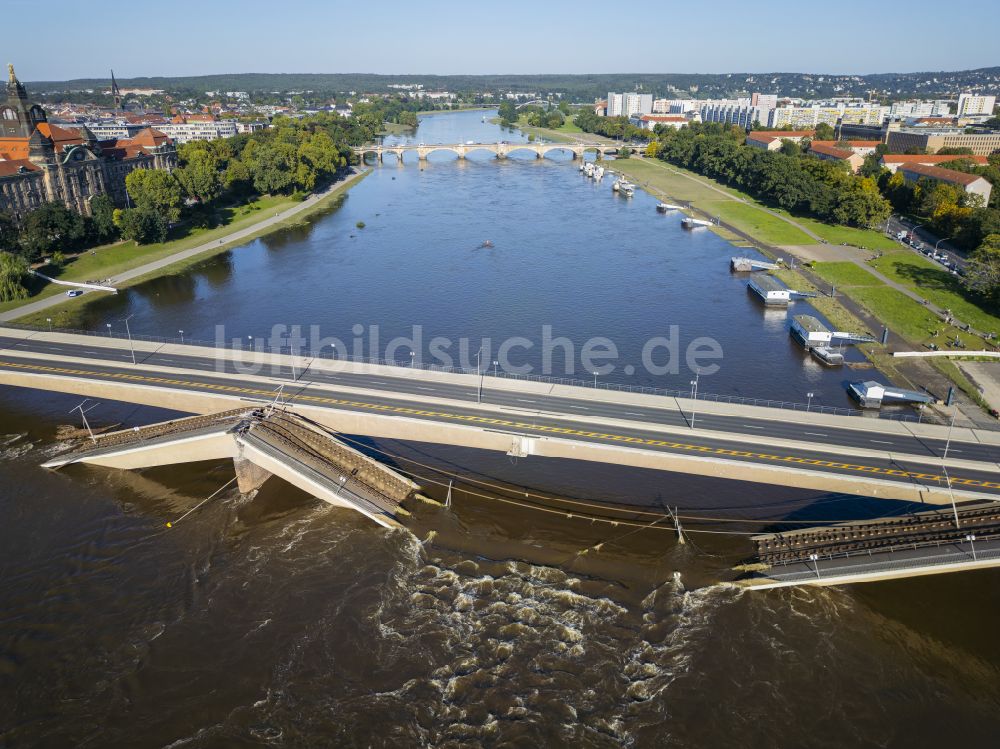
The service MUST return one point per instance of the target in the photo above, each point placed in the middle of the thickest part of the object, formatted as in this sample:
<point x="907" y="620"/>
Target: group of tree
<point x="610" y="127"/>
<point x="788" y="179"/>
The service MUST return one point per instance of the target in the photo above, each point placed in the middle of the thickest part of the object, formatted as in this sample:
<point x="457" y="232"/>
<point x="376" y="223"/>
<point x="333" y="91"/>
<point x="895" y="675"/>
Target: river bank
<point x="258" y="219"/>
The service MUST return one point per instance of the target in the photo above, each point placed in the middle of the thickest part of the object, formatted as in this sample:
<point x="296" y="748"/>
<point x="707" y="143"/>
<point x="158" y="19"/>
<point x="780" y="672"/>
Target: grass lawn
<point x="664" y="182"/>
<point x="755" y="222"/>
<point x="910" y="319"/>
<point x="869" y="238"/>
<point x="108" y="260"/>
<point x="845" y="274"/>
<point x="937" y="285"/>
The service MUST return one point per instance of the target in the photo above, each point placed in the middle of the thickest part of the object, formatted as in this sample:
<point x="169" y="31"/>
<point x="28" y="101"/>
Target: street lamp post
<point x="128" y="332"/>
<point x="83" y="415"/>
<point x="971" y="538"/>
<point x="595" y="379"/>
<point x="495" y="365"/>
<point x="49" y="321"/>
<point x="182" y="336"/>
<point x="940" y="241"/>
<point x="809" y="400"/>
<point x="250" y="342"/>
<point x="479" y="371"/>
<point x="108" y="326"/>
<point x="694" y="394"/>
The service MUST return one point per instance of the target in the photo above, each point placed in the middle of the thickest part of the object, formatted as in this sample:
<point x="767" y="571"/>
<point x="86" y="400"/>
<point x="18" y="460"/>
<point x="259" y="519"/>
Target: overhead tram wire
<point x="578" y="502"/>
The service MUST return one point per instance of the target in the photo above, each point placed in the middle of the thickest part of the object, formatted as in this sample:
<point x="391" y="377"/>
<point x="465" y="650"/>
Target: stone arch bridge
<point x="500" y="150"/>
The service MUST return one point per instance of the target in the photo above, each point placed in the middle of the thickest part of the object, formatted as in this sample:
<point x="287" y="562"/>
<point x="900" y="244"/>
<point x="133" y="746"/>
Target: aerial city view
<point x="499" y="376"/>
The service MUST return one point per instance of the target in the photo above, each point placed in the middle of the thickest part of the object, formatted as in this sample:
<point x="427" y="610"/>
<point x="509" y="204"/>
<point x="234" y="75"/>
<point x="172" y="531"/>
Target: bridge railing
<point x="331" y="354"/>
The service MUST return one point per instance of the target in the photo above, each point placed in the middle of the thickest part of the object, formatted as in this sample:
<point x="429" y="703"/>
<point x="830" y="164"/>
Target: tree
<point x="507" y="112"/>
<point x="8" y="233"/>
<point x="14" y="270"/>
<point x="143" y="225"/>
<point x="199" y="177"/>
<point x="825" y="132"/>
<point x="49" y="227"/>
<point x="156" y="190"/>
<point x="102" y="219"/>
<point x="982" y="272"/>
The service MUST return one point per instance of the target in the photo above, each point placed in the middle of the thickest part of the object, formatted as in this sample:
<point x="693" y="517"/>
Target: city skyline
<point x="447" y="37"/>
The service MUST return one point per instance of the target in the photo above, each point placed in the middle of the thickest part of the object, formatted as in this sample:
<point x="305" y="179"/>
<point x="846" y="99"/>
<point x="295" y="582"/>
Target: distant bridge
<point x="500" y="150"/>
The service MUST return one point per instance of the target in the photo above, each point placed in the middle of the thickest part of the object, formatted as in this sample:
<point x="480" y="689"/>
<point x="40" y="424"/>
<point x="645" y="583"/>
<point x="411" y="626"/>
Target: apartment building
<point x="932" y="140"/>
<point x="975" y="104"/>
<point x="626" y="105"/>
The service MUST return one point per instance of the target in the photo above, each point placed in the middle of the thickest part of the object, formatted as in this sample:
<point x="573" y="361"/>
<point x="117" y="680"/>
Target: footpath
<point x="236" y="237"/>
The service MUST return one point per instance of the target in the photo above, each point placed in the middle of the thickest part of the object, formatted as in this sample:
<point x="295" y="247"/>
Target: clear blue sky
<point x="191" y="37"/>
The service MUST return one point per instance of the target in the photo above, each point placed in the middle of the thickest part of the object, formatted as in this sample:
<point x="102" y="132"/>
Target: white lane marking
<point x="751" y="426"/>
<point x="881" y="442"/>
<point x="420" y="387"/>
<point x="816" y="434"/>
<point x="633" y="413"/>
<point x="525" y="400"/>
<point x="953" y="450"/>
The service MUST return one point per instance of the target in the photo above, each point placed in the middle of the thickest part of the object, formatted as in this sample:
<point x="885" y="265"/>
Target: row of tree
<point x="801" y="184"/>
<point x="610" y="127"/>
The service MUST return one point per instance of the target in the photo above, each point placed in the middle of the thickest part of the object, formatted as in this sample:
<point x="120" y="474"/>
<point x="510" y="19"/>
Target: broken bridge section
<point x="262" y="442"/>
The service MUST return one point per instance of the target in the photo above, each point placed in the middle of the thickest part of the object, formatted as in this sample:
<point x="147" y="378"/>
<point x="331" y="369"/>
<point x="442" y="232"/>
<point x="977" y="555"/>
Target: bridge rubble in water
<point x="262" y="442"/>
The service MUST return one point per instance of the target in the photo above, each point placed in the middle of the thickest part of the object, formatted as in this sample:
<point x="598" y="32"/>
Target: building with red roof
<point x="969" y="183"/>
<point x="41" y="162"/>
<point x="770" y="140"/>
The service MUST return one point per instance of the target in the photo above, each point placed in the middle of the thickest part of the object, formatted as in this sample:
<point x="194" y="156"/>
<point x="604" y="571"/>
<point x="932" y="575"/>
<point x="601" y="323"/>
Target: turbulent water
<point x="274" y="620"/>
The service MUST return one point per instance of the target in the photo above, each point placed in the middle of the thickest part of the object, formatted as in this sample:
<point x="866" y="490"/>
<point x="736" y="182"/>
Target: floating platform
<point x="746" y="265"/>
<point x="695" y="223"/>
<point x="664" y="207"/>
<point x="770" y="290"/>
<point x="810" y="332"/>
<point x="871" y="394"/>
<point x="828" y="356"/>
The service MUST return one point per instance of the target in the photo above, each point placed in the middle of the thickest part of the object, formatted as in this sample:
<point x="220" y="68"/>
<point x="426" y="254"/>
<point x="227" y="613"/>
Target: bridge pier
<point x="249" y="476"/>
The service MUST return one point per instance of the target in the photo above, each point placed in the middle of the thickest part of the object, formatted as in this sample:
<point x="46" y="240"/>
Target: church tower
<point x="18" y="116"/>
<point x="116" y="93"/>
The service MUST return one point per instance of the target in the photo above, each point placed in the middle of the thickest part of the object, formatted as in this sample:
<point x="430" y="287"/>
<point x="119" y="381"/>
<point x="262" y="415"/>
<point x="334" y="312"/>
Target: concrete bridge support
<point x="249" y="476"/>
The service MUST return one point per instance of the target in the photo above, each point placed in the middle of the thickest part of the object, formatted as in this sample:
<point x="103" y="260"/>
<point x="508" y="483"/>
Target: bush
<point x="360" y="224"/>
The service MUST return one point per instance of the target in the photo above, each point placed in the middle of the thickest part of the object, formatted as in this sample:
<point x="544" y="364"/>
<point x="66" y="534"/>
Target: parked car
<point x="74" y="293"/>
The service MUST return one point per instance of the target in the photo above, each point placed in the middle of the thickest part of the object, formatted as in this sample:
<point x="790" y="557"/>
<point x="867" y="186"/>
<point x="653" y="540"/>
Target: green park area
<point x="937" y="285"/>
<point x="769" y="225"/>
<point x="902" y="314"/>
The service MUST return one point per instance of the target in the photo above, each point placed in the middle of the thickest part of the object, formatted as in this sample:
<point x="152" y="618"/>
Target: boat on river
<point x="664" y="207"/>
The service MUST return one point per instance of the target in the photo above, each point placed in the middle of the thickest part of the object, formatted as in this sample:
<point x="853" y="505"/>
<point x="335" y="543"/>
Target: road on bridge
<point x="850" y="447"/>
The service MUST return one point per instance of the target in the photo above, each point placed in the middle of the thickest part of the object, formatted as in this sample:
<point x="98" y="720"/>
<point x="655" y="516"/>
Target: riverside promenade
<point x="229" y="241"/>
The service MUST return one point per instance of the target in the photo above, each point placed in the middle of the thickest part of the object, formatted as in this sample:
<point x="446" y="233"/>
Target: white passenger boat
<point x="664" y="207"/>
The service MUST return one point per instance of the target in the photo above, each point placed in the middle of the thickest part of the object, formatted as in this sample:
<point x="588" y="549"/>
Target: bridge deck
<point x="866" y="456"/>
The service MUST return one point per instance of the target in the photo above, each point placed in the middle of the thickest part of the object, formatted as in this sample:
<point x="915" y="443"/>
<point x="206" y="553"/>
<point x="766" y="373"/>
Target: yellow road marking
<point x="493" y="421"/>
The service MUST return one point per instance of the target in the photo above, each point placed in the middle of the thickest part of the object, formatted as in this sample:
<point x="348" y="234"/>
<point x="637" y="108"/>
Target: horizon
<point x="120" y="78"/>
<point x="451" y="38"/>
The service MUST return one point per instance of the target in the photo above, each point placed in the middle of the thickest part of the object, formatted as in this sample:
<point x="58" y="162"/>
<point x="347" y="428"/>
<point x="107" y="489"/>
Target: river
<point x="277" y="621"/>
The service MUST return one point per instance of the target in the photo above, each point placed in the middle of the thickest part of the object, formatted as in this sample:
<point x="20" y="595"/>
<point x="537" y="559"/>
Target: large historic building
<point x="41" y="162"/>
